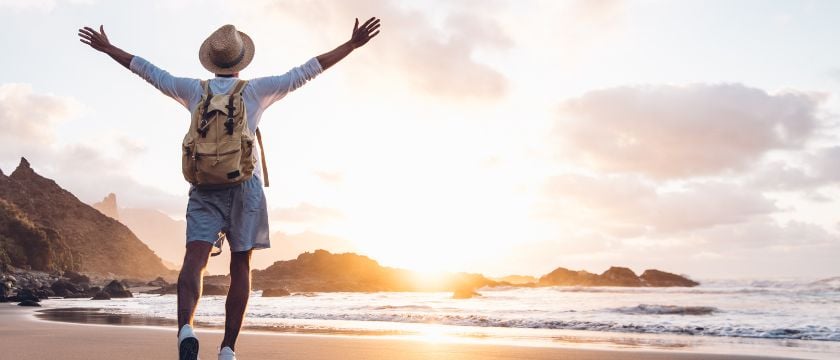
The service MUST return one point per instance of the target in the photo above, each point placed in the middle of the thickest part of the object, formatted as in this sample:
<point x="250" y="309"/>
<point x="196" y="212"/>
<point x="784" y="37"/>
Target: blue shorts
<point x="238" y="214"/>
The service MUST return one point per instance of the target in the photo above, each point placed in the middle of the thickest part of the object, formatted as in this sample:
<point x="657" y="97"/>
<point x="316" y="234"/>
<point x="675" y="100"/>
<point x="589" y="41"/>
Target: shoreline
<point x="21" y="329"/>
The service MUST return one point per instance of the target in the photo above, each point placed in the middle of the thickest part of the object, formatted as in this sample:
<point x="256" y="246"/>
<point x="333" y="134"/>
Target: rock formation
<point x="323" y="271"/>
<point x="108" y="206"/>
<point x="614" y="276"/>
<point x="275" y="293"/>
<point x="66" y="233"/>
<point x="658" y="278"/>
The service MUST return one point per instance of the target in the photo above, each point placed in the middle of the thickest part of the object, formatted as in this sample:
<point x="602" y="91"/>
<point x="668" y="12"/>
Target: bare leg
<point x="190" y="280"/>
<point x="237" y="298"/>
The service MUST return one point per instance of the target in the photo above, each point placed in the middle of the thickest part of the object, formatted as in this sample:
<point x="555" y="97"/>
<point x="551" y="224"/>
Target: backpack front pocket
<point x="219" y="164"/>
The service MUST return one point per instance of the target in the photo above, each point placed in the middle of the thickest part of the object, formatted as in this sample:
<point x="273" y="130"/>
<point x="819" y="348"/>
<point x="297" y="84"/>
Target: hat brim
<point x="204" y="57"/>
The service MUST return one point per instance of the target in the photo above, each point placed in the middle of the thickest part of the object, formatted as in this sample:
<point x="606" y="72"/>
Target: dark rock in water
<point x="3" y="294"/>
<point x="65" y="288"/>
<point x="464" y="293"/>
<point x="159" y="282"/>
<point x="45" y="292"/>
<point x="93" y="290"/>
<point x="25" y="294"/>
<point x="214" y="290"/>
<point x="275" y="293"/>
<point x="615" y="276"/>
<point x="658" y="278"/>
<point x="83" y="295"/>
<point x="29" y="303"/>
<point x="165" y="290"/>
<point x="102" y="295"/>
<point x="116" y="289"/>
<point x="619" y="276"/>
<point x="76" y="278"/>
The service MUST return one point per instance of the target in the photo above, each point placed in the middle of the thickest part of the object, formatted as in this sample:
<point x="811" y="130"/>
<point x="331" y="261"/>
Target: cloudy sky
<point x="699" y="137"/>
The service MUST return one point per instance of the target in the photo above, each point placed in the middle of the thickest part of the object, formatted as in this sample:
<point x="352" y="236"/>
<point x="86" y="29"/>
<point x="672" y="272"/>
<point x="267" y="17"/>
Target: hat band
<point x="234" y="62"/>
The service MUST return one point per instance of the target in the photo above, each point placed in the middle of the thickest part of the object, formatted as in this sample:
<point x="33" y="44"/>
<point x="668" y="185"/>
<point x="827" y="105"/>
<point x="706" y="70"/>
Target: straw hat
<point x="226" y="51"/>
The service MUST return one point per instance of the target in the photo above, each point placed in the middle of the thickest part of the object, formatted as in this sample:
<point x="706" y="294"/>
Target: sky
<point x="500" y="136"/>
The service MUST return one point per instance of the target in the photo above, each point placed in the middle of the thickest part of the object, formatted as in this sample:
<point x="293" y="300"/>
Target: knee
<point x="197" y="254"/>
<point x="240" y="262"/>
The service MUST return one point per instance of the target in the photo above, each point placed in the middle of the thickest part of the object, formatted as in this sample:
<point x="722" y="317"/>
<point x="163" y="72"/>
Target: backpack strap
<point x="240" y="85"/>
<point x="262" y="157"/>
<point x="208" y="95"/>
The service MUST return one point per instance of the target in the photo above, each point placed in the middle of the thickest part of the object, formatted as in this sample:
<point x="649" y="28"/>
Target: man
<point x="237" y="213"/>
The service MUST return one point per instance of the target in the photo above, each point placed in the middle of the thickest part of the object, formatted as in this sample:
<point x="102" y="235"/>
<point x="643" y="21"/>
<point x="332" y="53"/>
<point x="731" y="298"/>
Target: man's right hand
<point x="99" y="41"/>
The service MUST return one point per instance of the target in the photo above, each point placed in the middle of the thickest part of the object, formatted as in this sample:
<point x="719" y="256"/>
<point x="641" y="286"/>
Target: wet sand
<point x="23" y="336"/>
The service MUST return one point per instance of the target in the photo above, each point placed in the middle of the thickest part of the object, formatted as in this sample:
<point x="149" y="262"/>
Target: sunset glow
<point x="501" y="137"/>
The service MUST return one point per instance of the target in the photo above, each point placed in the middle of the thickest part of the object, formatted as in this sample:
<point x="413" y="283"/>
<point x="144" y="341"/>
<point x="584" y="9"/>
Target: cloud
<point x="40" y="5"/>
<point x="28" y="119"/>
<point x="668" y="131"/>
<point x="806" y="170"/>
<point x="434" y="55"/>
<point x="306" y="213"/>
<point x="627" y="206"/>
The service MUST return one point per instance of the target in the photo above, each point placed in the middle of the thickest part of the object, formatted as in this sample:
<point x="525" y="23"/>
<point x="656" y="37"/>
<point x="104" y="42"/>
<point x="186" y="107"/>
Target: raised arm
<point x="272" y="88"/>
<point x="99" y="41"/>
<point x="361" y="35"/>
<point x="183" y="90"/>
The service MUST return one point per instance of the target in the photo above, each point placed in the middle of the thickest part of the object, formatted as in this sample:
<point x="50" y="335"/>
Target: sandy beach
<point x="22" y="336"/>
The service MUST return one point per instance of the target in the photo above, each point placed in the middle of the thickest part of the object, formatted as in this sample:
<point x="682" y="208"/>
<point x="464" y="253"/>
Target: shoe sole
<point x="188" y="350"/>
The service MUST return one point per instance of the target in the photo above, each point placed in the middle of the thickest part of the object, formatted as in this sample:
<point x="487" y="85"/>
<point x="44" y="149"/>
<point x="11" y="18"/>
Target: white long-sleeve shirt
<point x="259" y="94"/>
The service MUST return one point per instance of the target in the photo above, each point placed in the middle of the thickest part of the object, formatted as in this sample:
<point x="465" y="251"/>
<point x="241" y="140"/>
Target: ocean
<point x="785" y="318"/>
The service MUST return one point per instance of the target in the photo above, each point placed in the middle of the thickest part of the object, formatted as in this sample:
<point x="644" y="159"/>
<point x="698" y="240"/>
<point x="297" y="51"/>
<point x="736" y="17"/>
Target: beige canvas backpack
<point x="218" y="150"/>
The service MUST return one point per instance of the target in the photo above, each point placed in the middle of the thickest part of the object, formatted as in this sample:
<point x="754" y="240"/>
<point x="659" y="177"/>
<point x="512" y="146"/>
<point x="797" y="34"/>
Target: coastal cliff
<point x="45" y="227"/>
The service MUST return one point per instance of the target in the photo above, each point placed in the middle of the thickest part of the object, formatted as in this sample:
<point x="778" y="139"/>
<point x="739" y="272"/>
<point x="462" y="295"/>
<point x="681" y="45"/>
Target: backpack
<point x="217" y="151"/>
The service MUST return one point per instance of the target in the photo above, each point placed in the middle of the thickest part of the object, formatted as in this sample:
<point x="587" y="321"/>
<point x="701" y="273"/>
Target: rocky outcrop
<point x="322" y="271"/>
<point x="518" y="280"/>
<point x="214" y="290"/>
<point x="116" y="289"/>
<point x="159" y="282"/>
<point x="108" y="206"/>
<point x="102" y="295"/>
<point x="656" y="278"/>
<point x="62" y="233"/>
<point x="565" y="277"/>
<point x="169" y="289"/>
<point x="619" y="276"/>
<point x="275" y="293"/>
<point x="65" y="288"/>
<point x="465" y="293"/>
<point x="29" y="303"/>
<point x="614" y="276"/>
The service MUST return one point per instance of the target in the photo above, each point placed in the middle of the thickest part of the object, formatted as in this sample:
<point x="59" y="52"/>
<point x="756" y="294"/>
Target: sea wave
<point x="800" y="333"/>
<point x="645" y="309"/>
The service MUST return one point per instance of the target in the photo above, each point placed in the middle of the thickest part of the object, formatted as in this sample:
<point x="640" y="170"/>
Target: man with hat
<point x="238" y="213"/>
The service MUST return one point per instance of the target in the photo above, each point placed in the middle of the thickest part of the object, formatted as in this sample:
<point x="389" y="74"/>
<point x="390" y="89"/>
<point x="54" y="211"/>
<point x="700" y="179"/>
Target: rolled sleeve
<point x="183" y="90"/>
<point x="272" y="88"/>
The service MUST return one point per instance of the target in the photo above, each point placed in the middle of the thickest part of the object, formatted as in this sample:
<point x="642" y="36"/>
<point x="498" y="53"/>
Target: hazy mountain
<point x="164" y="235"/>
<point x="96" y="243"/>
